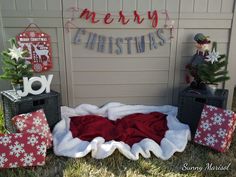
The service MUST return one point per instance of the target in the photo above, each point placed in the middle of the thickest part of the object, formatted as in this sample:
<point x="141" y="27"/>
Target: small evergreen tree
<point x="15" y="67"/>
<point x="214" y="69"/>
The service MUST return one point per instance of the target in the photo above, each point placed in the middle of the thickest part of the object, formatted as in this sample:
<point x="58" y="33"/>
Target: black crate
<point x="191" y="103"/>
<point x="14" y="105"/>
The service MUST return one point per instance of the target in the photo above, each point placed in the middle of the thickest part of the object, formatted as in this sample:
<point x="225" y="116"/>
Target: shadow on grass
<point x="118" y="165"/>
<point x="53" y="168"/>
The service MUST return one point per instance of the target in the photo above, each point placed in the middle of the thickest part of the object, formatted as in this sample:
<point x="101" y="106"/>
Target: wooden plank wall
<point x="4" y="85"/>
<point x="47" y="14"/>
<point x="134" y="78"/>
<point x="152" y="78"/>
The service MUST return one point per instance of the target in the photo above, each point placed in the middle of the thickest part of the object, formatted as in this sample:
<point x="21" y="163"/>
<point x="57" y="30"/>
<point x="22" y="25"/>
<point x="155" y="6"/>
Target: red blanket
<point x="130" y="129"/>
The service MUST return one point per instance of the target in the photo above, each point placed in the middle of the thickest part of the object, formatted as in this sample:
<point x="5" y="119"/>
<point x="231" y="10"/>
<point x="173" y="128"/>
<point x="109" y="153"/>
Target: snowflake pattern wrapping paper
<point x="34" y="122"/>
<point x="215" y="128"/>
<point x="22" y="150"/>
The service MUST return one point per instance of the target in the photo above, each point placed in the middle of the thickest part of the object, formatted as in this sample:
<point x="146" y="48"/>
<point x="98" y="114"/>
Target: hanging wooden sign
<point x="38" y="46"/>
<point x="116" y="45"/>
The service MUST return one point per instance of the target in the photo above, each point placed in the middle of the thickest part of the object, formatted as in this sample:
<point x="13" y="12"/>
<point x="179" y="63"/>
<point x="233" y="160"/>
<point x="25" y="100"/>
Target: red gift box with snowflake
<point x="215" y="128"/>
<point x="22" y="149"/>
<point x="34" y="122"/>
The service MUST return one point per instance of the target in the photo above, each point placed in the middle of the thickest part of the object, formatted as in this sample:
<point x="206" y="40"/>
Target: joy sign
<point x="45" y="85"/>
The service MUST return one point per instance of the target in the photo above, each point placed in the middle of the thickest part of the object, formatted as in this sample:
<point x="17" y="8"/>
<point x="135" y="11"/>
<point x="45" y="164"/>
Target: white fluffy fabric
<point x="175" y="139"/>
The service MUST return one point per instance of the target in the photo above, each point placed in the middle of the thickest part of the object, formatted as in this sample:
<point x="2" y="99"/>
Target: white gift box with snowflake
<point x="215" y="128"/>
<point x="22" y="150"/>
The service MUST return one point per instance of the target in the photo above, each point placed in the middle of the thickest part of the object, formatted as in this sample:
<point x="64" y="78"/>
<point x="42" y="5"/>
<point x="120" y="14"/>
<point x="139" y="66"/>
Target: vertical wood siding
<point x="47" y="14"/>
<point x="152" y="78"/>
<point x="4" y="85"/>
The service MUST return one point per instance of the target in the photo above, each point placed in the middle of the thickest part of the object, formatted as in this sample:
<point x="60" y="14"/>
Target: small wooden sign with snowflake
<point x="38" y="46"/>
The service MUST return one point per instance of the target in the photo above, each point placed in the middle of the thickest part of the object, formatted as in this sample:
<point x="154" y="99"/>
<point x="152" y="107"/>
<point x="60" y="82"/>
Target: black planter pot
<point x="203" y="88"/>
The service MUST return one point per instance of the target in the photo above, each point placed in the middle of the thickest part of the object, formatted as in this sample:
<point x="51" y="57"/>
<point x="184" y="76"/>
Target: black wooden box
<point x="191" y="103"/>
<point x="14" y="105"/>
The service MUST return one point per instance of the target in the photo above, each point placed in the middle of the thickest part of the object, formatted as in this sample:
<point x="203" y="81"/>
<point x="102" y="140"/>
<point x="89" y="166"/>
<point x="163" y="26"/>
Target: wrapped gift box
<point x="215" y="128"/>
<point x="34" y="122"/>
<point x="22" y="149"/>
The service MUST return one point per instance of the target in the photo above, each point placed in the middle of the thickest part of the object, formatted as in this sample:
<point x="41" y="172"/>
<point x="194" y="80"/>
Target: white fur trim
<point x="175" y="139"/>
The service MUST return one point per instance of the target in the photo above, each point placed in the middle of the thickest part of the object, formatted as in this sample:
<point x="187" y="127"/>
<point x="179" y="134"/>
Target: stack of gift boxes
<point x="28" y="121"/>
<point x="28" y="146"/>
<point x="211" y="124"/>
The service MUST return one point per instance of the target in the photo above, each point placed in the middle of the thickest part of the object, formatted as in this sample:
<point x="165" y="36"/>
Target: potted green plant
<point x="214" y="69"/>
<point x="15" y="67"/>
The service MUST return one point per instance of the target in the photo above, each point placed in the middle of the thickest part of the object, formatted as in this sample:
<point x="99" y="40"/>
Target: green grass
<point x="118" y="165"/>
<point x="2" y="130"/>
